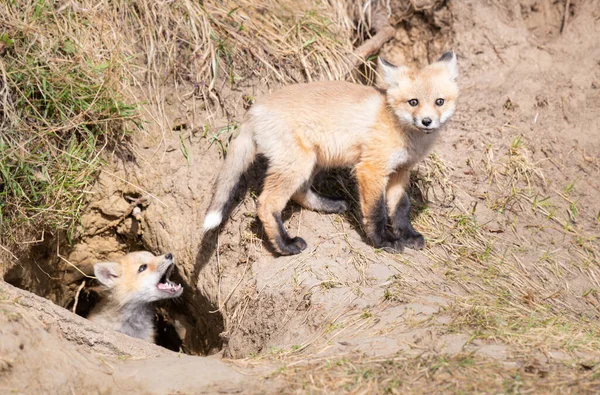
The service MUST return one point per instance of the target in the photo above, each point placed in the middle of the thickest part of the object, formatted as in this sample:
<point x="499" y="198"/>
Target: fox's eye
<point x="439" y="102"/>
<point x="413" y="102"/>
<point x="142" y="268"/>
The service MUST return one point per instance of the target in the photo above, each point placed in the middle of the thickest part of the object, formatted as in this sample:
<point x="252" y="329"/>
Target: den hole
<point x="188" y="324"/>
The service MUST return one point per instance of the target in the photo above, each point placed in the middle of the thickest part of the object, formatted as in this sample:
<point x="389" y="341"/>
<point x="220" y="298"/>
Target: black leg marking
<point x="331" y="205"/>
<point x="311" y="200"/>
<point x="402" y="226"/>
<point x="284" y="243"/>
<point x="378" y="232"/>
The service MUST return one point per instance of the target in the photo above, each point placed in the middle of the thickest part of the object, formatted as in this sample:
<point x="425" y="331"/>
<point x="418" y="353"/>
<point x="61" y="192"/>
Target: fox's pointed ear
<point x="107" y="272"/>
<point x="391" y="73"/>
<point x="449" y="58"/>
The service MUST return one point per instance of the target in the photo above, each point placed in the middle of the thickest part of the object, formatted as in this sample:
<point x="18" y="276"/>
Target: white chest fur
<point x="397" y="159"/>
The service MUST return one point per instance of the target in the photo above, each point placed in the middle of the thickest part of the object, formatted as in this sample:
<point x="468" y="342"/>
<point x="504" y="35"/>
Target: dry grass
<point x="460" y="373"/>
<point x="61" y="105"/>
<point x="518" y="281"/>
<point x="515" y="284"/>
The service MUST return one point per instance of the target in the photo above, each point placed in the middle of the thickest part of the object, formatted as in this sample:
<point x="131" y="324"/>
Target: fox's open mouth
<point x="166" y="285"/>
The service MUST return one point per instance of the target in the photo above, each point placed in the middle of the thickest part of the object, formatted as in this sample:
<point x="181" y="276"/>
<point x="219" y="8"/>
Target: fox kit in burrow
<point x="381" y="134"/>
<point x="132" y="283"/>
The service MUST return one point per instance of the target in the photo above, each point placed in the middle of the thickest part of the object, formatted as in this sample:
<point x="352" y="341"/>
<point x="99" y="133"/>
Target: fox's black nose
<point x="426" y="121"/>
<point x="169" y="256"/>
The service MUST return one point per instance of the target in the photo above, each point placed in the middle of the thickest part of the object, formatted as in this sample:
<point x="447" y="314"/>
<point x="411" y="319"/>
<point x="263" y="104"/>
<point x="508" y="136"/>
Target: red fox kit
<point x="133" y="282"/>
<point x="381" y="134"/>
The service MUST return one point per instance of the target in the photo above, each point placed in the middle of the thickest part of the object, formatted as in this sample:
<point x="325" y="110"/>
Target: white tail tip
<point x="212" y="220"/>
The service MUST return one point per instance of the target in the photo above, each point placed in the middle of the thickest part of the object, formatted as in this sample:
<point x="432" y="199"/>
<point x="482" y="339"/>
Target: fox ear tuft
<point x="449" y="58"/>
<point x="107" y="272"/>
<point x="391" y="73"/>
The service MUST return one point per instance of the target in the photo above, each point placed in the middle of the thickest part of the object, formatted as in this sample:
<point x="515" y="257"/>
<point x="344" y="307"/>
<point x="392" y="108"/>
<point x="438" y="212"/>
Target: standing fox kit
<point x="381" y="134"/>
<point x="133" y="282"/>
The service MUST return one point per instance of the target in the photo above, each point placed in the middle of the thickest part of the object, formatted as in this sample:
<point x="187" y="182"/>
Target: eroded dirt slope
<point x="46" y="349"/>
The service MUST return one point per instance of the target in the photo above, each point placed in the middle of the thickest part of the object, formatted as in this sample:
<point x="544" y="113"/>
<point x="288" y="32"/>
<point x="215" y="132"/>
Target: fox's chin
<point x="427" y="130"/>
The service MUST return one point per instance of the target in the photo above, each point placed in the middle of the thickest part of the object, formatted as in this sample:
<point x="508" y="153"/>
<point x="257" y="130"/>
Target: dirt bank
<point x="46" y="349"/>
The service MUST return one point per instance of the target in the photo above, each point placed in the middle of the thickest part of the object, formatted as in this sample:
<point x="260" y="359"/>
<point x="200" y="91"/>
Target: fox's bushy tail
<point x="242" y="152"/>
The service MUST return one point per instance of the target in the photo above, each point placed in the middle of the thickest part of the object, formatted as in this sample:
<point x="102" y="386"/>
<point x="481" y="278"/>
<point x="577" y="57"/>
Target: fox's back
<point x="330" y="117"/>
<point x="321" y="93"/>
<point x="326" y="102"/>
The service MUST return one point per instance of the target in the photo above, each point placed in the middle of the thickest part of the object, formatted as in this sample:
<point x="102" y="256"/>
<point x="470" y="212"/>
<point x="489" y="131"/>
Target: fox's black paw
<point x="415" y="241"/>
<point x="411" y="239"/>
<point x="389" y="244"/>
<point x="292" y="246"/>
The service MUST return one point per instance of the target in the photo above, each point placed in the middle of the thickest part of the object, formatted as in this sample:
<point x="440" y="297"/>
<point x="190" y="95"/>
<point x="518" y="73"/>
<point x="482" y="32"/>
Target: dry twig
<point x="77" y="296"/>
<point x="384" y="32"/>
<point x="565" y="17"/>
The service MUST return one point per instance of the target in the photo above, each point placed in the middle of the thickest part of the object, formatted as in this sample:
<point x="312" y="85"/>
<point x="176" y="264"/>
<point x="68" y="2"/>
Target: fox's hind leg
<point x="399" y="207"/>
<point x="280" y="184"/>
<point x="311" y="200"/>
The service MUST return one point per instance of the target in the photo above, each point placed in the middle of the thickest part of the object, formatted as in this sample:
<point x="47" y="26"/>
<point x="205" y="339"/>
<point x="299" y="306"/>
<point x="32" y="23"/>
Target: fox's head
<point x="424" y="98"/>
<point x="139" y="277"/>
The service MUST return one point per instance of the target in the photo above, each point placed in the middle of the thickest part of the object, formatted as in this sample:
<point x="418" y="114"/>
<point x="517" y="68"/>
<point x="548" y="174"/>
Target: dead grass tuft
<point x="61" y="107"/>
<point x="461" y="373"/>
<point x="512" y="282"/>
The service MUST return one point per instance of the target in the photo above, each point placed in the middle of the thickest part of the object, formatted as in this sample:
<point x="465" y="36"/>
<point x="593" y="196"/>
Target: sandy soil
<point x="527" y="120"/>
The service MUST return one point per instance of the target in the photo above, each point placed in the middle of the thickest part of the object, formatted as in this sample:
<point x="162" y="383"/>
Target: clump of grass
<point x="511" y="284"/>
<point x="432" y="181"/>
<point x="461" y="373"/>
<point x="284" y="38"/>
<point x="60" y="106"/>
<point x="217" y="45"/>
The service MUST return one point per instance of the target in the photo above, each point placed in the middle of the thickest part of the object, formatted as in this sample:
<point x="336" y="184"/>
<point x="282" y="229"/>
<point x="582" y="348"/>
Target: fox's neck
<point x="133" y="319"/>
<point x="137" y="320"/>
<point x="420" y="143"/>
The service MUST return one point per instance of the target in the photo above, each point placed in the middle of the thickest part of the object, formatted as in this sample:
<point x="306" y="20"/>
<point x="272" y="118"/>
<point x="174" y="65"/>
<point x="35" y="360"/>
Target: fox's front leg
<point x="372" y="182"/>
<point x="398" y="204"/>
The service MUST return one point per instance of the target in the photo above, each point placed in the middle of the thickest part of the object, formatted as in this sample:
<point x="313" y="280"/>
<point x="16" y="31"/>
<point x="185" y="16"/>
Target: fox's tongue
<point x="164" y="284"/>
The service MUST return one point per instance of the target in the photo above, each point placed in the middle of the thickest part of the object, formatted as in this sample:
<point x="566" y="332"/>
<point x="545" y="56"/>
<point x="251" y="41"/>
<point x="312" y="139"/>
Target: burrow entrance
<point x="188" y="324"/>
